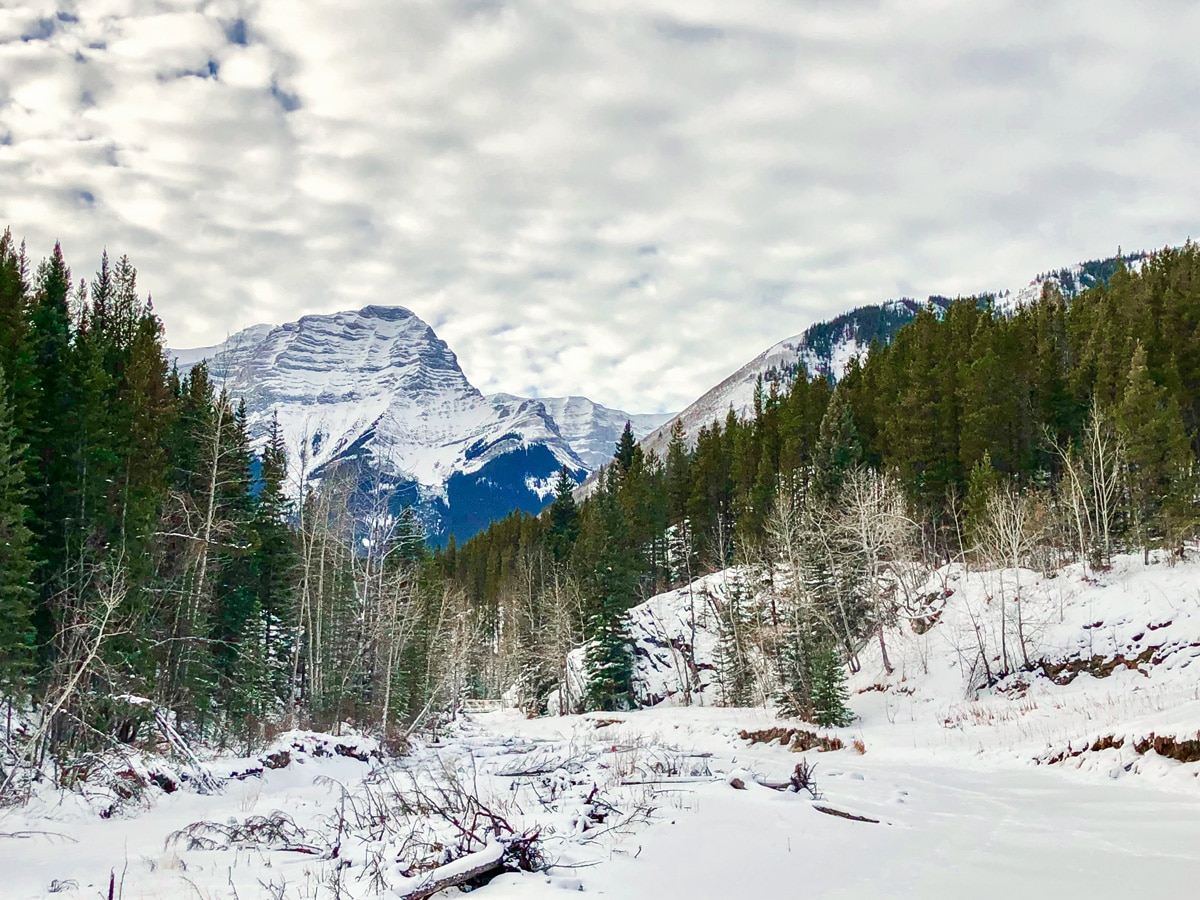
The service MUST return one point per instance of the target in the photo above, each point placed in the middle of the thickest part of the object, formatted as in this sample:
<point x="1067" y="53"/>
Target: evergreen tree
<point x="982" y="484"/>
<point x="249" y="693"/>
<point x="678" y="474"/>
<point x="564" y="517"/>
<point x="1158" y="454"/>
<point x="611" y="584"/>
<point x="16" y="340"/>
<point x="795" y="695"/>
<point x="16" y="568"/>
<point x="52" y="502"/>
<point x="829" y="693"/>
<point x="627" y="451"/>
<point x="274" y="559"/>
<point x="838" y="448"/>
<point x="733" y="644"/>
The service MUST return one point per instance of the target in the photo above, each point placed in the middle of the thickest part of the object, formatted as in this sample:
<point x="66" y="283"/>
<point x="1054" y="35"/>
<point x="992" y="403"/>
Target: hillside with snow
<point x="1101" y="663"/>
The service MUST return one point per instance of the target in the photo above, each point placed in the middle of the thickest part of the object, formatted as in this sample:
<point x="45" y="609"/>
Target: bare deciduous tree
<point x="873" y="521"/>
<point x="81" y="641"/>
<point x="1009" y="534"/>
<point x="1092" y="485"/>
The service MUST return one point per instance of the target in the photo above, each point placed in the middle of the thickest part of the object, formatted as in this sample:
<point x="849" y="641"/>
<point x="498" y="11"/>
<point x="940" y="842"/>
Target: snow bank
<point x="1039" y="666"/>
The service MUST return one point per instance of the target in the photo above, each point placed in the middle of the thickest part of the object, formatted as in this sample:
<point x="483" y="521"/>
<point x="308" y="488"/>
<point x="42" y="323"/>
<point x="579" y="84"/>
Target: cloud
<point x="622" y="199"/>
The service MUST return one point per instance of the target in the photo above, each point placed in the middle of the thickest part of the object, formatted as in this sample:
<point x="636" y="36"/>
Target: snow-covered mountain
<point x="592" y="430"/>
<point x="378" y="387"/>
<point x="826" y="348"/>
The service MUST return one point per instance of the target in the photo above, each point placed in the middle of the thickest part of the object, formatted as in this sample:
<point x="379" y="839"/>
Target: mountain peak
<point x="376" y="387"/>
<point x="388" y="313"/>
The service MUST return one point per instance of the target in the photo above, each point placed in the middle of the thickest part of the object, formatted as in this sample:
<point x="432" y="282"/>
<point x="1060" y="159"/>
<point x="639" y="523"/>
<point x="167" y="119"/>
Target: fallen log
<point x="516" y="854"/>
<point x="489" y="860"/>
<point x="842" y="814"/>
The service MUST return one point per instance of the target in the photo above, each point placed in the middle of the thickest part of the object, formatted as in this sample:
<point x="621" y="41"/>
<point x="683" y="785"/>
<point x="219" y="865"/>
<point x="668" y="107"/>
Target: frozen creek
<point x="641" y="805"/>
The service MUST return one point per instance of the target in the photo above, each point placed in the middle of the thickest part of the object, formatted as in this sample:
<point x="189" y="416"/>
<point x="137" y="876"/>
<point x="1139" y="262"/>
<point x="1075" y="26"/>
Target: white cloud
<point x="623" y="199"/>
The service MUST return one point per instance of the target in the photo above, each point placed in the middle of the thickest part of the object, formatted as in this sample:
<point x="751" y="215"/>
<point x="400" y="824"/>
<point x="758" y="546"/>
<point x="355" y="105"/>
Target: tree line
<point x="1052" y="432"/>
<point x="160" y="580"/>
<point x="163" y="581"/>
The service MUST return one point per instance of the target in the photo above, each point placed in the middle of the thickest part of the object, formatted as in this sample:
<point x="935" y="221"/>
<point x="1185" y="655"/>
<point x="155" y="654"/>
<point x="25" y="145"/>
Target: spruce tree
<point x="250" y="695"/>
<point x="52" y="437"/>
<point x="838" y="447"/>
<point x="795" y="694"/>
<point x="829" y="693"/>
<point x="611" y="585"/>
<point x="16" y="567"/>
<point x="212" y="561"/>
<point x="678" y="473"/>
<point x="1157" y="451"/>
<point x="627" y="450"/>
<point x="733" y="644"/>
<point x="564" y="517"/>
<point x="16" y="341"/>
<point x="983" y="482"/>
<point x="275" y="558"/>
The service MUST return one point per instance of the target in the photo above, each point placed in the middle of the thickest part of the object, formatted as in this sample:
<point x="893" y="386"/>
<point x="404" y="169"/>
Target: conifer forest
<point x="158" y="573"/>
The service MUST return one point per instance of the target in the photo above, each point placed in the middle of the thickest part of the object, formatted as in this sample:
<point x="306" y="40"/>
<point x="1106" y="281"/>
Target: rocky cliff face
<point x="377" y="388"/>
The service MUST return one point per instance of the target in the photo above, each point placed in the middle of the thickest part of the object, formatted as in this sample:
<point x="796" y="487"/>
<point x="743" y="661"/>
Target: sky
<point x="626" y="199"/>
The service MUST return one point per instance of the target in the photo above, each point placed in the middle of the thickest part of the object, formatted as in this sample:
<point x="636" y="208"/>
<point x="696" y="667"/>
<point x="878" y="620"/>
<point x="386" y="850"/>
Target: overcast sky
<point x="626" y="199"/>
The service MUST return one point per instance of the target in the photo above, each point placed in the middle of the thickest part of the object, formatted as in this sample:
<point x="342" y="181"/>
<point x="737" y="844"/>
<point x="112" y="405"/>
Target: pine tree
<point x="1157" y="450"/>
<point x="564" y="517"/>
<point x="16" y="568"/>
<point x="829" y="693"/>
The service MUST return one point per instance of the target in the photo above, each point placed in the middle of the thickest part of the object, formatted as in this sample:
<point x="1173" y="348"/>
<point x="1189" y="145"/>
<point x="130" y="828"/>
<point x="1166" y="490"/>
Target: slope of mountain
<point x="592" y="430"/>
<point x="826" y="348"/>
<point x="379" y="389"/>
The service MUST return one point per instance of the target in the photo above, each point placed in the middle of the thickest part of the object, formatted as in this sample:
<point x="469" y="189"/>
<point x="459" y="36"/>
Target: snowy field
<point x="1049" y="785"/>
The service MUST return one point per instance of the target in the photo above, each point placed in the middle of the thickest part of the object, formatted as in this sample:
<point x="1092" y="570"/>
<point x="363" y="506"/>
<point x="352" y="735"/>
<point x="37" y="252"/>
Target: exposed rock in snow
<point x="378" y="386"/>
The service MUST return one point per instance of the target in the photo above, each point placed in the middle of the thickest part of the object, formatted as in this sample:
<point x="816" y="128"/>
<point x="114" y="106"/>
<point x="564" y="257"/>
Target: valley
<point x="953" y="792"/>
<point x="653" y="451"/>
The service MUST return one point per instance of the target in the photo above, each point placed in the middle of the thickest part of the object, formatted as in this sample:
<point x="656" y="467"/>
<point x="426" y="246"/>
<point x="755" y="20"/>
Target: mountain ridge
<point x="379" y="388"/>
<point x="827" y="347"/>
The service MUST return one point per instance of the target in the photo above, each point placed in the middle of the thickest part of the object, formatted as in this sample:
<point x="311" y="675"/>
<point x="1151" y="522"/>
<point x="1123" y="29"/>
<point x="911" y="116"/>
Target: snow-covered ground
<point x="1017" y="790"/>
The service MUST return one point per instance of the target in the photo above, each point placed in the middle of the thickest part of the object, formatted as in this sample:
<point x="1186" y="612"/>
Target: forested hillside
<point x="1055" y="431"/>
<point x="157" y="581"/>
<point x="155" y="578"/>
